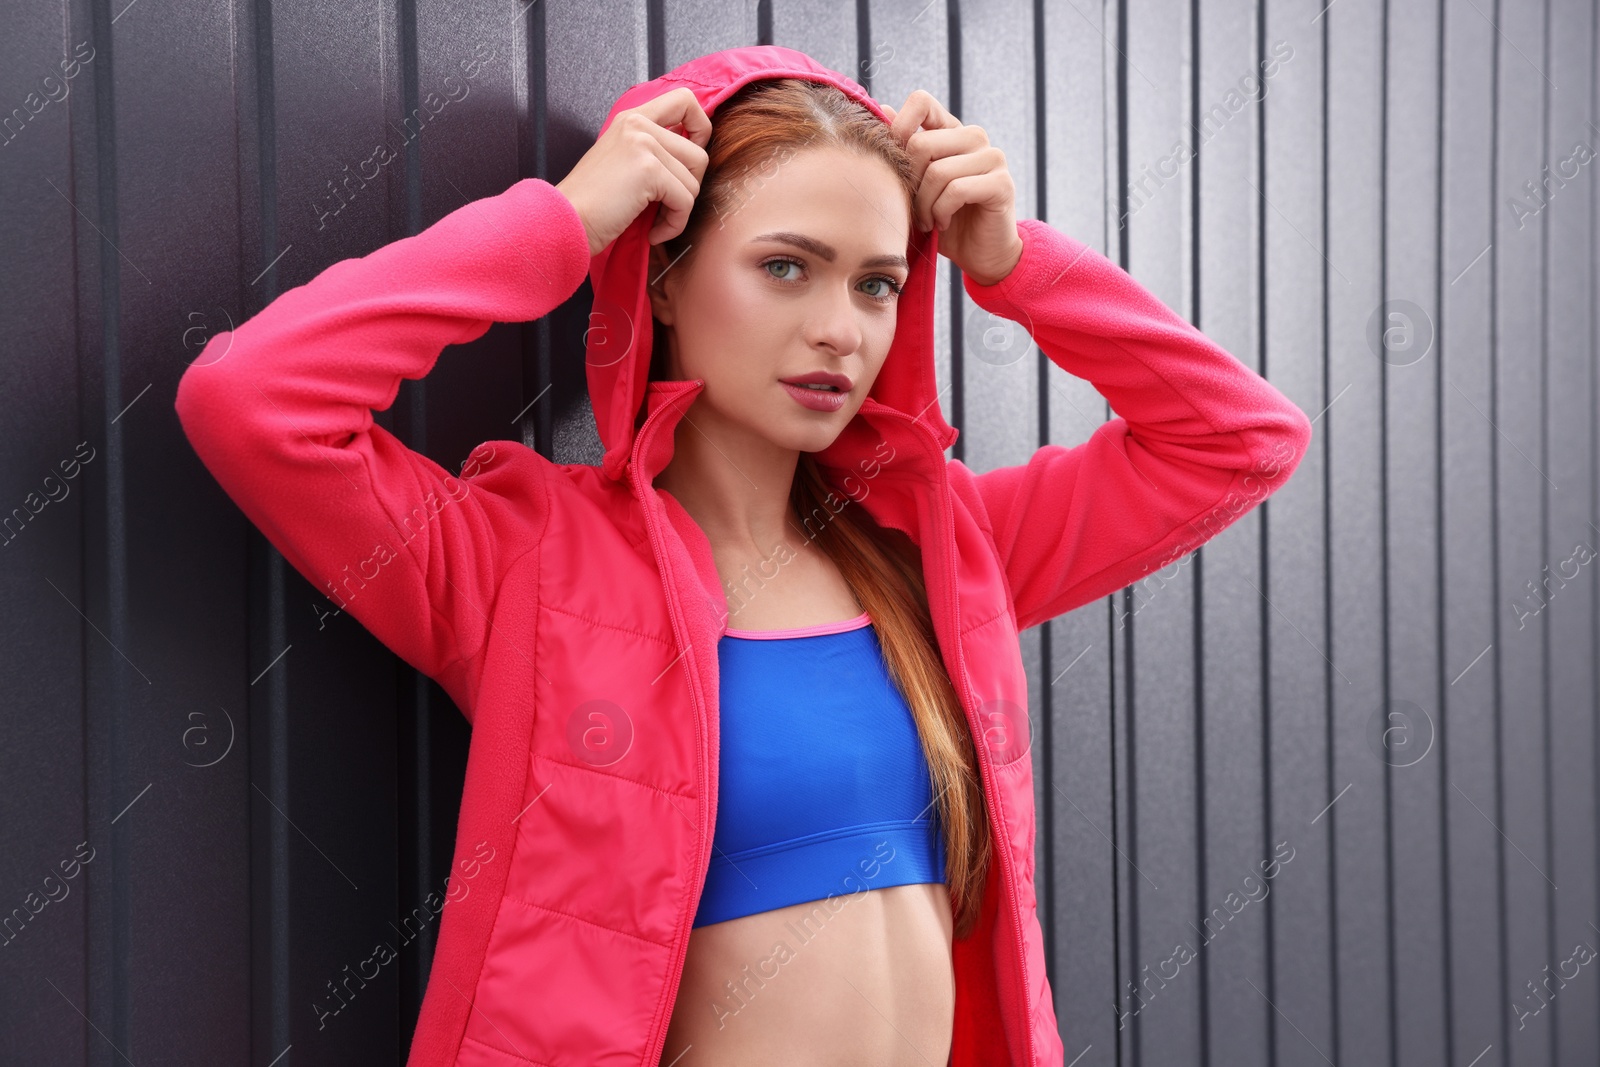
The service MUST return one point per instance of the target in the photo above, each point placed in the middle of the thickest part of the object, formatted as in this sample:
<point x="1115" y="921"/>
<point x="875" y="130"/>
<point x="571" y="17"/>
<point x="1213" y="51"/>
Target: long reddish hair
<point x="759" y="126"/>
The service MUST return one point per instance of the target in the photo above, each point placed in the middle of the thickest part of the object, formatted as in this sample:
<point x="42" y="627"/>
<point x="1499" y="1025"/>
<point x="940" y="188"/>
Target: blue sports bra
<point x="823" y="788"/>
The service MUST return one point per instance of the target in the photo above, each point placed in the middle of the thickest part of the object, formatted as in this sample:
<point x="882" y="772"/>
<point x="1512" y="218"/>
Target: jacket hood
<point x="618" y="375"/>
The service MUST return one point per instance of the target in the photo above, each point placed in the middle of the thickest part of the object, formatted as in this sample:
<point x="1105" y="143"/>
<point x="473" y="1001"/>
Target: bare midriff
<point x="862" y="980"/>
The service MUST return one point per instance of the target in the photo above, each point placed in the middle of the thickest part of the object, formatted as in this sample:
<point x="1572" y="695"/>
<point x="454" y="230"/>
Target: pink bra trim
<point x="804" y="631"/>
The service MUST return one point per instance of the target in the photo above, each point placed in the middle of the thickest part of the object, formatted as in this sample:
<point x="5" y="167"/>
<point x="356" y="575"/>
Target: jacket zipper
<point x="658" y="1029"/>
<point x="1003" y="850"/>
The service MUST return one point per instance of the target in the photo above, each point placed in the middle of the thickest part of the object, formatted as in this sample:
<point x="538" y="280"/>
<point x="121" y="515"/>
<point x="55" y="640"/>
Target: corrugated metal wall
<point x="1324" y="791"/>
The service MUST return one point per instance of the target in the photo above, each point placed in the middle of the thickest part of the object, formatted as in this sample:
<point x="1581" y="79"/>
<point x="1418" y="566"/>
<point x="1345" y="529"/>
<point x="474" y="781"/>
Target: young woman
<point x="750" y="777"/>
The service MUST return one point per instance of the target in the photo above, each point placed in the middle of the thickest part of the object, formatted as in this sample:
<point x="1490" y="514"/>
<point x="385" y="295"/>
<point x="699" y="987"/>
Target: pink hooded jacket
<point x="548" y="598"/>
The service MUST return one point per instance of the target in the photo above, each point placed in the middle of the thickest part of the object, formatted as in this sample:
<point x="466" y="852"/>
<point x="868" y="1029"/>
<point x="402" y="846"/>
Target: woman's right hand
<point x="639" y="160"/>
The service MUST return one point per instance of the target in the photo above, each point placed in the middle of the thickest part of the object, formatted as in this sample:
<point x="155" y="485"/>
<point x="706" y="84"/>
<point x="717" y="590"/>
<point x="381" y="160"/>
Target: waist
<point x="831" y="863"/>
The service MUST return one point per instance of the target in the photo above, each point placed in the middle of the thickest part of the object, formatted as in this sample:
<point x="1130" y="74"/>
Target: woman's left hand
<point x="963" y="188"/>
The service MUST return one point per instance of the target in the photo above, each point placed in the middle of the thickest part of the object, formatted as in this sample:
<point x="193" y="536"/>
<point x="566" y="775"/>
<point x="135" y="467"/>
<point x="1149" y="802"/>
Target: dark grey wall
<point x="1386" y="672"/>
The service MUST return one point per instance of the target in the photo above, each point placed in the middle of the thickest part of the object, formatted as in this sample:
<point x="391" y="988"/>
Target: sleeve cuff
<point x="561" y="230"/>
<point x="1047" y="255"/>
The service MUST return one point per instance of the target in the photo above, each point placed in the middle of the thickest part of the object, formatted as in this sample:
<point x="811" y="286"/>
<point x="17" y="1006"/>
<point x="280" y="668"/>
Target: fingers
<point x="678" y="191"/>
<point x="920" y="110"/>
<point x="680" y="107"/>
<point x="932" y="205"/>
<point x="681" y="159"/>
<point x="926" y="146"/>
<point x="668" y="148"/>
<point x="956" y="167"/>
<point x="990" y="188"/>
<point x="691" y="155"/>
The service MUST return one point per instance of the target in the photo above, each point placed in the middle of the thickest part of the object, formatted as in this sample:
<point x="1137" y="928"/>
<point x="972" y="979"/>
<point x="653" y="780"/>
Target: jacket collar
<point x="885" y="460"/>
<point x="858" y="447"/>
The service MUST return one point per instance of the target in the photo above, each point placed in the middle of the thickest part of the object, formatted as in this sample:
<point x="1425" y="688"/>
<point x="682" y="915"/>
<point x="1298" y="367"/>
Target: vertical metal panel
<point x="50" y="405"/>
<point x="823" y="30"/>
<point x="158" y="227"/>
<point x="1470" y="603"/>
<point x="1411" y="686"/>
<point x="1570" y="533"/>
<point x="1297" y="275"/>
<point x="694" y="27"/>
<point x="266" y="787"/>
<point x="1521" y="471"/>
<point x="1355" y="430"/>
<point x="1231" y="940"/>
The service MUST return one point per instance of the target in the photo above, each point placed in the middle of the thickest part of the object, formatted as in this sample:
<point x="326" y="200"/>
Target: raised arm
<point x="1198" y="439"/>
<point x="280" y="411"/>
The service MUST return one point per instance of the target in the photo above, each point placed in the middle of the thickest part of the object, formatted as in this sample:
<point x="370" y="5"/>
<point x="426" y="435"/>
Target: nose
<point x="832" y="321"/>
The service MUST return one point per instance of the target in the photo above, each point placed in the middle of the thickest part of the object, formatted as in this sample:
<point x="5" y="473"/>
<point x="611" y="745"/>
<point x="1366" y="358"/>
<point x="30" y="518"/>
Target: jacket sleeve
<point x="1198" y="438"/>
<point x="280" y="412"/>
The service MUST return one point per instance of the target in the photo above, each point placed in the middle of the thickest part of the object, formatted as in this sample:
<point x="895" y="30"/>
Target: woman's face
<point x="798" y="276"/>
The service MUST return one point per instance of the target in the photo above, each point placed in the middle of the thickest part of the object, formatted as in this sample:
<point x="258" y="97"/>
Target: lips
<point x="839" y="383"/>
<point x="825" y="393"/>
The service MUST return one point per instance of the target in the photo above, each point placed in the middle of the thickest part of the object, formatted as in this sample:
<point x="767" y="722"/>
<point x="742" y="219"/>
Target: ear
<point x="656" y="284"/>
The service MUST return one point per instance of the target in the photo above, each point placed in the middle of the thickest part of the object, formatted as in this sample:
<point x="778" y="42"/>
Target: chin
<point x="807" y="432"/>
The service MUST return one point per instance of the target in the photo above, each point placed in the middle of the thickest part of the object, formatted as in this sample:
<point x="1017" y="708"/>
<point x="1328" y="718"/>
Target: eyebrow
<point x="827" y="251"/>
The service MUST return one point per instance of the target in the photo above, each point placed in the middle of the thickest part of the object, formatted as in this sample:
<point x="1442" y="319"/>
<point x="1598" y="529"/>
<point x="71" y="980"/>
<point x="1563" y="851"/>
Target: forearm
<point x="323" y="355"/>
<point x="1183" y="397"/>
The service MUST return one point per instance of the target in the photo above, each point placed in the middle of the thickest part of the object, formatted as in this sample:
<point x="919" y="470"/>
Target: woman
<point x="750" y="777"/>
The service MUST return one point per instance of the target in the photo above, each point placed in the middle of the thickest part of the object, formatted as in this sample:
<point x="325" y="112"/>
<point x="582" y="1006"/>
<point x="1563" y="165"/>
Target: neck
<point x="735" y="484"/>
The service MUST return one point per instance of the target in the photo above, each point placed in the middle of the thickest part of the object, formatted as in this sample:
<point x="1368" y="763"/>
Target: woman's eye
<point x="769" y="264"/>
<point x="780" y="270"/>
<point x="889" y="288"/>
